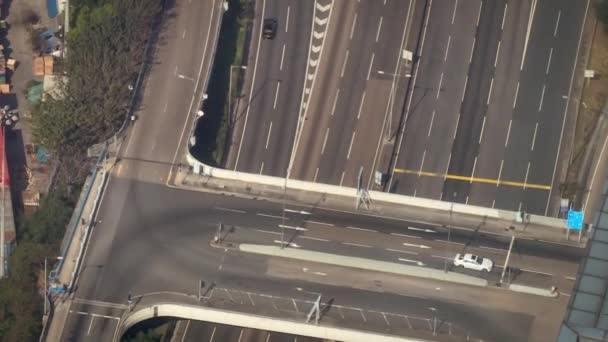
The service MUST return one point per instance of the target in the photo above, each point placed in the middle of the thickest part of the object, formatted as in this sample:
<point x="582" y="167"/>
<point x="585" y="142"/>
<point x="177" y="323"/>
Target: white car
<point x="473" y="262"/>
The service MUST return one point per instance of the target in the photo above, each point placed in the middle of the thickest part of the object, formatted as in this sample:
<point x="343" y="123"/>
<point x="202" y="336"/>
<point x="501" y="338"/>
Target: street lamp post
<point x="392" y="101"/>
<point x="316" y="308"/>
<point x="242" y="67"/>
<point x="46" y="292"/>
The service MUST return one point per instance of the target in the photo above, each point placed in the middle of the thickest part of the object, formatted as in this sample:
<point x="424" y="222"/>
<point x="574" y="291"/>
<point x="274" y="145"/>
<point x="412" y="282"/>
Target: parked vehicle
<point x="473" y="262"/>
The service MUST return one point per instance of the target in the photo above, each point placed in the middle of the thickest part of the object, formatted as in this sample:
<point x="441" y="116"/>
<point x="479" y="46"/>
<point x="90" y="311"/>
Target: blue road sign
<point x="575" y="219"/>
<point x="57" y="289"/>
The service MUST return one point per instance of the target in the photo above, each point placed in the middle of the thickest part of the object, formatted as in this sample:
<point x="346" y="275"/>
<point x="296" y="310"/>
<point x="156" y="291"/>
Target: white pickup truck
<point x="473" y="262"/>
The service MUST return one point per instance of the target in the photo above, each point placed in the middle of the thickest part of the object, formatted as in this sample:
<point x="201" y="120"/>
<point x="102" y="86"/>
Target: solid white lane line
<point x="472" y="49"/>
<point x="321" y="223"/>
<point x="479" y="14"/>
<point x="490" y="91"/>
<point x="447" y="49"/>
<point x="504" y="15"/>
<point x="342" y="178"/>
<point x="454" y="12"/>
<point x="407" y="236"/>
<point x="483" y="126"/>
<point x="516" y="93"/>
<point x="352" y="28"/>
<point x="533" y="271"/>
<point x="494" y="249"/>
<point x="508" y="133"/>
<point x="542" y="97"/>
<point x="344" y="64"/>
<point x="268" y="136"/>
<point x="431" y="124"/>
<point x="362" y="229"/>
<point x="464" y="89"/>
<point x="333" y="107"/>
<point x="456" y="127"/>
<point x="549" y="61"/>
<point x="276" y="95"/>
<point x="439" y="88"/>
<point x="356" y="244"/>
<point x="447" y="168"/>
<point x="422" y="163"/>
<point x="379" y="28"/>
<point x="401" y="251"/>
<point x="325" y="141"/>
<point x="282" y="58"/>
<point x="267" y="231"/>
<point x="371" y="63"/>
<point x="361" y="105"/>
<point x="90" y="325"/>
<point x="497" y="53"/>
<point x="499" y="173"/>
<point x="268" y="215"/>
<point x="313" y="238"/>
<point x="230" y="210"/>
<point x="473" y="173"/>
<point x="287" y="20"/>
<point x="534" y="137"/>
<point x="559" y="14"/>
<point x="350" y="147"/>
<point x="526" y="177"/>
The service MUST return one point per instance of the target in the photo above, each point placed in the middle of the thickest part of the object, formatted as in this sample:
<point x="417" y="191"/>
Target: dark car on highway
<point x="270" y="28"/>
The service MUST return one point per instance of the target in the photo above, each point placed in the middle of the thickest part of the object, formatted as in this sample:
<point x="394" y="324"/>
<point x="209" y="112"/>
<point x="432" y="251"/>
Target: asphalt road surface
<point x="498" y="94"/>
<point x="153" y="238"/>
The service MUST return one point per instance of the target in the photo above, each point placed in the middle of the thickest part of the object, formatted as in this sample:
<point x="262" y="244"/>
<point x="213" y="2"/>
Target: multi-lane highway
<point x="497" y="87"/>
<point x="196" y="331"/>
<point x="150" y="238"/>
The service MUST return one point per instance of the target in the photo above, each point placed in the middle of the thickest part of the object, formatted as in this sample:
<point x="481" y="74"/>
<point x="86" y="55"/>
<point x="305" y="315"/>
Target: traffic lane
<point x="319" y="112"/>
<point x="490" y="159"/>
<point x="90" y="323"/>
<point x="420" y="107"/>
<point x="348" y="113"/>
<point x="367" y="138"/>
<point x="404" y="249"/>
<point x="267" y="214"/>
<point x="294" y="68"/>
<point x="551" y="118"/>
<point x="445" y="116"/>
<point x="531" y="102"/>
<point x="166" y="95"/>
<point x="199" y="331"/>
<point x="474" y="105"/>
<point x="260" y="107"/>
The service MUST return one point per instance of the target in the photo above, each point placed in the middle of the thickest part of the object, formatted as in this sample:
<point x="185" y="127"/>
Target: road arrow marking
<point x="414" y="245"/>
<point x="291" y="244"/>
<point x="318" y="35"/>
<point x="292" y="227"/>
<point x="419" y="263"/>
<point x="316" y="49"/>
<point x="302" y="212"/>
<point x="314" y="62"/>
<point x="321" y="21"/>
<point x="422" y="230"/>
<point x="323" y="8"/>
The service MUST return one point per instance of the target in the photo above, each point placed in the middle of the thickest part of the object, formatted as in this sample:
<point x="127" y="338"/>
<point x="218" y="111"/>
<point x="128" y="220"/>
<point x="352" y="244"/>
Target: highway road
<point x="266" y="116"/>
<point x="153" y="238"/>
<point x="511" y="72"/>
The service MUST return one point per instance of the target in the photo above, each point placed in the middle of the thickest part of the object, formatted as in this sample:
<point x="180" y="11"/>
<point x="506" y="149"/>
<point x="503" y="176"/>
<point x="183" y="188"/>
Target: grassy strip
<point x="213" y="129"/>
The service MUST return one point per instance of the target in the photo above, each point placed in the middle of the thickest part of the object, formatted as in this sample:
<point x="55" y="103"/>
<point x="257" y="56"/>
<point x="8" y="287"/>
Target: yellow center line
<point x="475" y="179"/>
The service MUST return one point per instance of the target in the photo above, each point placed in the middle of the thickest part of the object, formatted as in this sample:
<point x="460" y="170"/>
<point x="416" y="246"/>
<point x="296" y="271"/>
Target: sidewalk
<point x="503" y="226"/>
<point x="75" y="251"/>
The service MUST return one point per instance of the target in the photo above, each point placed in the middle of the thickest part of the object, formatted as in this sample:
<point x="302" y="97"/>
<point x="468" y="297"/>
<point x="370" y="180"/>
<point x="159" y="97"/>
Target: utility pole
<point x="504" y="269"/>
